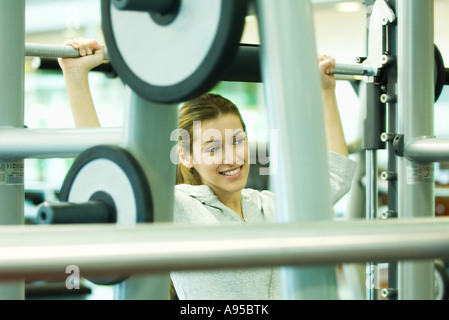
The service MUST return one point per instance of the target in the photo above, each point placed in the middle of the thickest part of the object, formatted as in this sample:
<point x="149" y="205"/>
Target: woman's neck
<point x="232" y="200"/>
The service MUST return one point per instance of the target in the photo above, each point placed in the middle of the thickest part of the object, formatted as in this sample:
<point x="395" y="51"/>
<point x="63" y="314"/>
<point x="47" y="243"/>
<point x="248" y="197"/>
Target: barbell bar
<point x="31" y="252"/>
<point x="51" y="64"/>
<point x="68" y="213"/>
<point x="244" y="68"/>
<point x="54" y="51"/>
<point x="247" y="58"/>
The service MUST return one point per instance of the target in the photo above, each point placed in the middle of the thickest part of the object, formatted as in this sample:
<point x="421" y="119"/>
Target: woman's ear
<point x="185" y="158"/>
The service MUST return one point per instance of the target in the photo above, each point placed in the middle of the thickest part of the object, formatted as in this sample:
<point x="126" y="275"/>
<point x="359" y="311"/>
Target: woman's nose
<point x="229" y="156"/>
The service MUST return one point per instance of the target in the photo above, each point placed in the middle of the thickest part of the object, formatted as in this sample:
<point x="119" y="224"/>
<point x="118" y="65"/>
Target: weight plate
<point x="113" y="171"/>
<point x="439" y="73"/>
<point x="178" y="61"/>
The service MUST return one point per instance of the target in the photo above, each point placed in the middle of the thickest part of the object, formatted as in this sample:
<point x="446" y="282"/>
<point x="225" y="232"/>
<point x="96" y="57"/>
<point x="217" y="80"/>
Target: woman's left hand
<point x="326" y="65"/>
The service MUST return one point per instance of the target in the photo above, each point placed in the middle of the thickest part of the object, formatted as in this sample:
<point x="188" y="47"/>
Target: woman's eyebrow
<point x="236" y="133"/>
<point x="210" y="141"/>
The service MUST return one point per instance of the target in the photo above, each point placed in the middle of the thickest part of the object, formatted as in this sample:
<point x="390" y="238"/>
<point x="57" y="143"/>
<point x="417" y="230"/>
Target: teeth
<point x="231" y="173"/>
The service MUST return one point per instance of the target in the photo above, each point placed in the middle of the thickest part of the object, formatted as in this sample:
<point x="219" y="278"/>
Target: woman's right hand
<point x="91" y="55"/>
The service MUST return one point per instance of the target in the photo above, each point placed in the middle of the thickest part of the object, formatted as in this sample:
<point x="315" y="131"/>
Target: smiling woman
<point x="213" y="167"/>
<point x="207" y="158"/>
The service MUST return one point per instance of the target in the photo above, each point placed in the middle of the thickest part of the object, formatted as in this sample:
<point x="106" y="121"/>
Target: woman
<point x="213" y="170"/>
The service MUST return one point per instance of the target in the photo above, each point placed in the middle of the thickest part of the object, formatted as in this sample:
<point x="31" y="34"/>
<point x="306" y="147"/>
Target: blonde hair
<point x="206" y="107"/>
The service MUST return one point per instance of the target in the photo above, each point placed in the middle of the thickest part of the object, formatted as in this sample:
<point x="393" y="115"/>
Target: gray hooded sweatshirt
<point x="199" y="205"/>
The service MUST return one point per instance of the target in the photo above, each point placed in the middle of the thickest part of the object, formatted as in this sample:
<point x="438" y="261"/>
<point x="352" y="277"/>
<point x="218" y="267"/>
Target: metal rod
<point x="39" y="251"/>
<point x="51" y="64"/>
<point x="371" y="210"/>
<point x="12" y="66"/>
<point x="143" y="120"/>
<point x="245" y="68"/>
<point x="288" y="103"/>
<point x="415" y="120"/>
<point x="355" y="70"/>
<point x="51" y="143"/>
<point x="54" y="51"/>
<point x="427" y="150"/>
<point x="65" y="212"/>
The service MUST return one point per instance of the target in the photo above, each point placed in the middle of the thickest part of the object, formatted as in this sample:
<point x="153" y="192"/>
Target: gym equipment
<point x="104" y="185"/>
<point x="439" y="73"/>
<point x="54" y="51"/>
<point x="93" y="211"/>
<point x="58" y="143"/>
<point x="174" y="64"/>
<point x="392" y="240"/>
<point x="244" y="68"/>
<point x="47" y="64"/>
<point x="441" y="281"/>
<point x="150" y="248"/>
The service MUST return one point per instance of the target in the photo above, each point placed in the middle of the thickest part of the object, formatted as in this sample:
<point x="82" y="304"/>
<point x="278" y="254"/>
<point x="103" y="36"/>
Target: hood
<point x="202" y="193"/>
<point x="251" y="200"/>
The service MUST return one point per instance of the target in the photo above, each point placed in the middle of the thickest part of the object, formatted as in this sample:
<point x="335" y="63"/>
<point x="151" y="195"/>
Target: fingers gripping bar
<point x="355" y="70"/>
<point x="53" y="51"/>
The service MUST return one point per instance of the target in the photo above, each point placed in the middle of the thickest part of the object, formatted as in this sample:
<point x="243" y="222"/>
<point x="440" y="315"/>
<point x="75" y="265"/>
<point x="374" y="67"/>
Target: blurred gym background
<point x="340" y="28"/>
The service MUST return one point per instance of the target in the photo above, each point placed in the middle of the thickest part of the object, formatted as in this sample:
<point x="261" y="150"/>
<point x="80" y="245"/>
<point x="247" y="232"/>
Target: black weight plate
<point x="115" y="172"/>
<point x="130" y="168"/>
<point x="439" y="73"/>
<point x="222" y="51"/>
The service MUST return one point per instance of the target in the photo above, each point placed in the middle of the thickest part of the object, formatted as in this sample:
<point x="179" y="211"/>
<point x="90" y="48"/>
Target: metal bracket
<point x="380" y="14"/>
<point x="398" y="145"/>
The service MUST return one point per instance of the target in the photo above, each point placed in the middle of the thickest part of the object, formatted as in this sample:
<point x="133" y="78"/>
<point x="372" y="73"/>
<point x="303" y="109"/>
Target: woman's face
<point x="220" y="153"/>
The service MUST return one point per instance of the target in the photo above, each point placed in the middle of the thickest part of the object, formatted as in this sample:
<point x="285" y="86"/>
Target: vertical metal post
<point x="147" y="132"/>
<point x="12" y="59"/>
<point x="292" y="92"/>
<point x="415" y="112"/>
<point x="391" y="112"/>
<point x="373" y="126"/>
<point x="371" y="208"/>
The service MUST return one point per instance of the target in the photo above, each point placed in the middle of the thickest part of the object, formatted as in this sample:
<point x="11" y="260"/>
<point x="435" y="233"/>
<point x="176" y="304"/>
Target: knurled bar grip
<point x="53" y="51"/>
<point x="356" y="70"/>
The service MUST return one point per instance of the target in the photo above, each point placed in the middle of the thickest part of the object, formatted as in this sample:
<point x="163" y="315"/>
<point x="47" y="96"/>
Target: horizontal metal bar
<point x="355" y="70"/>
<point x="16" y="143"/>
<point x="382" y="186"/>
<point x="34" y="252"/>
<point x="427" y="150"/>
<point x="246" y="67"/>
<point x="53" y="51"/>
<point x="52" y="64"/>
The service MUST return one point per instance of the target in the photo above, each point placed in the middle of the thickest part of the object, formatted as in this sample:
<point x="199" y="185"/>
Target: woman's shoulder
<point x="189" y="206"/>
<point x="258" y="193"/>
<point x="263" y="200"/>
<point x="187" y="191"/>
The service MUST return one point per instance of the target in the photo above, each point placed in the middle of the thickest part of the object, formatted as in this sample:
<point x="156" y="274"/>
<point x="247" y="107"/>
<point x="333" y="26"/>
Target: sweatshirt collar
<point x="250" y="199"/>
<point x="202" y="193"/>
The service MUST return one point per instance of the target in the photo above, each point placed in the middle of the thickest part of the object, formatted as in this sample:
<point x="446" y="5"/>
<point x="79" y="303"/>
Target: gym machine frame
<point x="294" y="199"/>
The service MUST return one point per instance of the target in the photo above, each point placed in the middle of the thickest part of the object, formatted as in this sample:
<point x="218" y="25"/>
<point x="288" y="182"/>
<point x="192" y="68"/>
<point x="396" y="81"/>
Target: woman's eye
<point x="212" y="150"/>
